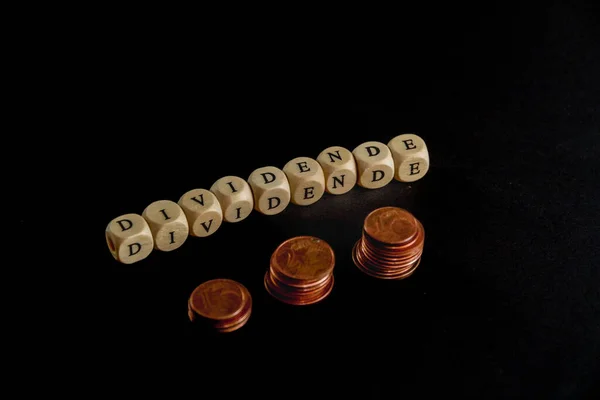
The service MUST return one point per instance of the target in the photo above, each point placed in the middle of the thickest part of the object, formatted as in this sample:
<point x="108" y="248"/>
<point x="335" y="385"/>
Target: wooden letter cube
<point x="375" y="165"/>
<point x="410" y="156"/>
<point x="168" y="224"/>
<point x="235" y="197"/>
<point x="339" y="169"/>
<point x="203" y="212"/>
<point x="129" y="238"/>
<point x="271" y="190"/>
<point x="307" y="182"/>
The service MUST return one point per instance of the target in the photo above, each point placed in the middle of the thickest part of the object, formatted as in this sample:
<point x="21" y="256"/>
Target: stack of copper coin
<point x="221" y="304"/>
<point x="301" y="271"/>
<point x="391" y="244"/>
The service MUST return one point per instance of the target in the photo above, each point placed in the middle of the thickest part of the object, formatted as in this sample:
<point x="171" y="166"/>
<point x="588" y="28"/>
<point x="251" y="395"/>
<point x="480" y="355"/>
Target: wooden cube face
<point x="271" y="190"/>
<point x="235" y="196"/>
<point x="411" y="157"/>
<point x="339" y="168"/>
<point x="307" y="182"/>
<point x="202" y="210"/>
<point x="168" y="224"/>
<point x="129" y="238"/>
<point x="375" y="165"/>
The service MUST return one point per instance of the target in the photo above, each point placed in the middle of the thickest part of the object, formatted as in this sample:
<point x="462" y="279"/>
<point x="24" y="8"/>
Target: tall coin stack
<point x="221" y="304"/>
<point x="391" y="244"/>
<point x="301" y="271"/>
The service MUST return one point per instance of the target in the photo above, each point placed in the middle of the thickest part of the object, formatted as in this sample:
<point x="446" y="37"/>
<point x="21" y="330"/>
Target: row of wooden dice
<point x="165" y="225"/>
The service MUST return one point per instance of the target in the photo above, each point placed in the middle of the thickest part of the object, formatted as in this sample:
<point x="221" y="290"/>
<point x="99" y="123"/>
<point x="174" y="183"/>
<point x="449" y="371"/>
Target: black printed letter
<point x="331" y="156"/>
<point x="409" y="144"/>
<point x="231" y="186"/>
<point x="271" y="175"/>
<point x="302" y="165"/>
<point x="375" y="179"/>
<point x="369" y="148"/>
<point x="238" y="212"/>
<point x="207" y="228"/>
<point x="338" y="180"/>
<point x="172" y="233"/>
<point x="165" y="214"/>
<point x="307" y="191"/>
<point x="120" y="222"/>
<point x="414" y="168"/>
<point x="201" y="201"/>
<point x="271" y="206"/>
<point x="131" y="252"/>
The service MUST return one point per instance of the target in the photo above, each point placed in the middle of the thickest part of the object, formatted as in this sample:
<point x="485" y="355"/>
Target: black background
<point x="506" y="301"/>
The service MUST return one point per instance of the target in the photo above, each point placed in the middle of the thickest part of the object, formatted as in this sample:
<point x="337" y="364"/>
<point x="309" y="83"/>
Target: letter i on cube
<point x="235" y="196"/>
<point x="203" y="212"/>
<point x="168" y="224"/>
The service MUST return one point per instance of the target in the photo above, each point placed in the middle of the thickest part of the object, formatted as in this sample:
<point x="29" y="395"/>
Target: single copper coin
<point x="304" y="258"/>
<point x="391" y="225"/>
<point x="218" y="299"/>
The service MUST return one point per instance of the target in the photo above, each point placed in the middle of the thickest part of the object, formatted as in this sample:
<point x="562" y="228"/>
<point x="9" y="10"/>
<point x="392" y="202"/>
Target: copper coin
<point x="295" y="299"/>
<point x="241" y="316"/>
<point x="375" y="263"/>
<point x="218" y="299"/>
<point x="367" y="247"/>
<point x="304" y="258"/>
<point x="237" y="326"/>
<point x="279" y="291"/>
<point x="291" y="291"/>
<point x="316" y="299"/>
<point x="389" y="259"/>
<point x="415" y="239"/>
<point x="367" y="270"/>
<point x="391" y="225"/>
<point x="375" y="272"/>
<point x="297" y="285"/>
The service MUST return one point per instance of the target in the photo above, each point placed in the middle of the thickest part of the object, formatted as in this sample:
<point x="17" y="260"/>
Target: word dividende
<point x="165" y="225"/>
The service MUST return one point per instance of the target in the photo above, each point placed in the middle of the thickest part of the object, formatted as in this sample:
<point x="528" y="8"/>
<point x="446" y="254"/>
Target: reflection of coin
<point x="304" y="258"/>
<point x="391" y="225"/>
<point x="218" y="299"/>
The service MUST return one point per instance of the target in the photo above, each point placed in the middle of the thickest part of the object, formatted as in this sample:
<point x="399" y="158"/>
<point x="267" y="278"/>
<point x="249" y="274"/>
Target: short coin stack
<point x="222" y="304"/>
<point x="391" y="244"/>
<point x="301" y="271"/>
